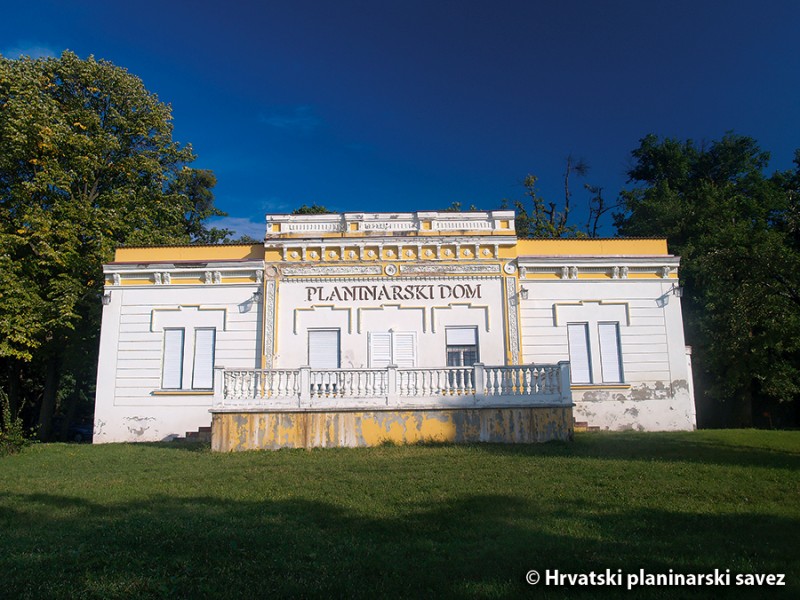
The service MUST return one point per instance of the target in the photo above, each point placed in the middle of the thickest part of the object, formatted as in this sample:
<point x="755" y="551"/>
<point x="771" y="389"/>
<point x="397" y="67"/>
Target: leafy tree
<point x="736" y="230"/>
<point x="87" y="163"/>
<point x="457" y="207"/>
<point x="540" y="218"/>
<point x="314" y="209"/>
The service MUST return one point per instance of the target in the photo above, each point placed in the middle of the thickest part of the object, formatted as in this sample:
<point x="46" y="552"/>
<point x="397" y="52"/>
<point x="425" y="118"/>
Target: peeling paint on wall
<point x="137" y="426"/>
<point x="233" y="431"/>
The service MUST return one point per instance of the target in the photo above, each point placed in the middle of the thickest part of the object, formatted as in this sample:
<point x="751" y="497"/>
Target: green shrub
<point x="12" y="434"/>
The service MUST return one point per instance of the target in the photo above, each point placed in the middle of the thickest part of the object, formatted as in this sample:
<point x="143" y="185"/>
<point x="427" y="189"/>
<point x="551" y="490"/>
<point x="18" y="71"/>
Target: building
<point x="351" y="329"/>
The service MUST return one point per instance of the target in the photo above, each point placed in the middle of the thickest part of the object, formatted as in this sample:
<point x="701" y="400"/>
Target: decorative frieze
<point x="513" y="325"/>
<point x="442" y="269"/>
<point x="334" y="270"/>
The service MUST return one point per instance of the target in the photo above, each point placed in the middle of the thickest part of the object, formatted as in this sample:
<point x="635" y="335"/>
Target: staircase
<point x="202" y="435"/>
<point x="583" y="427"/>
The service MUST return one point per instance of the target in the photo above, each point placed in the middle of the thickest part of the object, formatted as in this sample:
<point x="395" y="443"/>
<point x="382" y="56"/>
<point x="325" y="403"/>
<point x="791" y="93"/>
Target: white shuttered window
<point x="203" y="371"/>
<point x="610" y="355"/>
<point x="579" y="359"/>
<point x="404" y="348"/>
<point x="397" y="348"/>
<point x="323" y="348"/>
<point x="172" y="369"/>
<point x="380" y="349"/>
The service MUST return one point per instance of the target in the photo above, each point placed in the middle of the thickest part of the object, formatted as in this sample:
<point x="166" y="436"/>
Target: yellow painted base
<point x="232" y="431"/>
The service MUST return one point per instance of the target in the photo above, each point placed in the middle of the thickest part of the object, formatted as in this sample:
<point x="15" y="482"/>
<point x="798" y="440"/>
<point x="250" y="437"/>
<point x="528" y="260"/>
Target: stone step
<point x="583" y="427"/>
<point x="203" y="434"/>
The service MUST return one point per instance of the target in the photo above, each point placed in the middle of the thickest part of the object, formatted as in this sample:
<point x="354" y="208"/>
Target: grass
<point x="161" y="520"/>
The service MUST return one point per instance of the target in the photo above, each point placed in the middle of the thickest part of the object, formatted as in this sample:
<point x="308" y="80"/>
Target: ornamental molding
<point x="443" y="269"/>
<point x="513" y="325"/>
<point x="432" y="278"/>
<point x="331" y="270"/>
<point x="269" y="324"/>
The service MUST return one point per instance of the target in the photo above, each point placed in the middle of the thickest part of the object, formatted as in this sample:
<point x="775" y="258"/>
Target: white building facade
<point x="352" y="329"/>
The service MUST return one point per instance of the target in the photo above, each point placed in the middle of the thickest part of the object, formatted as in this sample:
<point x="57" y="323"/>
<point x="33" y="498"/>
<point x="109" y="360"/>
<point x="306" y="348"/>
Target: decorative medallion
<point x="509" y="268"/>
<point x="391" y="270"/>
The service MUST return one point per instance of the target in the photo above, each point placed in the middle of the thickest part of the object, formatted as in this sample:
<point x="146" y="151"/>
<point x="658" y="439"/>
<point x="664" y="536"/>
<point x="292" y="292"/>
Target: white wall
<point x="355" y="318"/>
<point x="128" y="406"/>
<point x="655" y="394"/>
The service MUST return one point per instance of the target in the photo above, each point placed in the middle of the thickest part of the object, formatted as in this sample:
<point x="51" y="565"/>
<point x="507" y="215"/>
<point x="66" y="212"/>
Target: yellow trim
<point x="592" y="247"/>
<point x="264" y="313"/>
<point x="187" y="253"/>
<point x="137" y="281"/>
<point x="183" y="392"/>
<point x="599" y="275"/>
<point x="601" y="386"/>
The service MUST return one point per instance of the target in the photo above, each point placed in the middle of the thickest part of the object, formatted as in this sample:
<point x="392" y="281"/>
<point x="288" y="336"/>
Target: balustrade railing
<point x="306" y="387"/>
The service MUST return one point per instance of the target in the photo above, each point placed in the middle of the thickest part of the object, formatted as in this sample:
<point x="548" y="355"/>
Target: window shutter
<point x="323" y="349"/>
<point x="380" y="349"/>
<point x="172" y="373"/>
<point x="404" y="349"/>
<point x="579" y="363"/>
<point x="203" y="373"/>
<point x="461" y="336"/>
<point x="610" y="355"/>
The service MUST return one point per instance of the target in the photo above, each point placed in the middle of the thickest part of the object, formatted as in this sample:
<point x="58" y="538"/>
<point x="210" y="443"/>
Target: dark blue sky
<point x="412" y="105"/>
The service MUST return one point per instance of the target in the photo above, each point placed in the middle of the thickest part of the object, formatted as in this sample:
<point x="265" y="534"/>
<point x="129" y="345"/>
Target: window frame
<point x="616" y="352"/>
<point x="167" y="352"/>
<point x="573" y="352"/>
<point x="460" y="349"/>
<point x="338" y="333"/>
<point x="213" y="349"/>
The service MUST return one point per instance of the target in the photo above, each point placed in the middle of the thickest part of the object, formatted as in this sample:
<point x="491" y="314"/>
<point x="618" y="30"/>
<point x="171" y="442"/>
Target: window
<point x="397" y="348"/>
<point x="175" y="365"/>
<point x="323" y="348"/>
<point x="583" y="349"/>
<point x="610" y="355"/>
<point x="203" y="368"/>
<point x="172" y="373"/>
<point x="462" y="346"/>
<point x="580" y="363"/>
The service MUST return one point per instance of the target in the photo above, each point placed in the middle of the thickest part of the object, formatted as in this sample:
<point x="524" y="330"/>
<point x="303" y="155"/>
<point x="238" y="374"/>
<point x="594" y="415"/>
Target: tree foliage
<point x="736" y="229"/>
<point x="540" y="218"/>
<point x="87" y="163"/>
<point x="314" y="209"/>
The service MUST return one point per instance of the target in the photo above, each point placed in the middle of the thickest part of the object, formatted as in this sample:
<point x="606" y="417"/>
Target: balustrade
<point x="478" y="383"/>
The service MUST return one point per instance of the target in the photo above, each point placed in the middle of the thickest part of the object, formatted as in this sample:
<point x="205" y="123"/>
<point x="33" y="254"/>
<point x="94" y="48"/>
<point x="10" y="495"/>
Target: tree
<point x="735" y="229"/>
<point x="314" y="209"/>
<point x="545" y="219"/>
<point x="87" y="163"/>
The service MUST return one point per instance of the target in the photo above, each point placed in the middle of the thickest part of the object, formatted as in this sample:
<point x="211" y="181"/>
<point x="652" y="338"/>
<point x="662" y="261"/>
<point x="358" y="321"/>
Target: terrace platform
<point x="313" y="408"/>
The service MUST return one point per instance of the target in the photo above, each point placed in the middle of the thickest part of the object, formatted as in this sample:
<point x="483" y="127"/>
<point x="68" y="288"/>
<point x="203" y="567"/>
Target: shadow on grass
<point x="678" y="447"/>
<point x="178" y="445"/>
<point x="475" y="546"/>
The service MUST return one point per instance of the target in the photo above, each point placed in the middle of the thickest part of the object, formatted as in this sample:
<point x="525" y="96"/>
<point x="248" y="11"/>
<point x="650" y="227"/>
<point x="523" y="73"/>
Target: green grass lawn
<point x="161" y="520"/>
